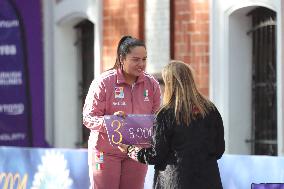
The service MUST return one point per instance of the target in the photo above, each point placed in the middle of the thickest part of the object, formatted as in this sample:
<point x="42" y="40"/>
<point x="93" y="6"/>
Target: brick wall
<point x="120" y="17"/>
<point x="189" y="33"/>
<point x="190" y="37"/>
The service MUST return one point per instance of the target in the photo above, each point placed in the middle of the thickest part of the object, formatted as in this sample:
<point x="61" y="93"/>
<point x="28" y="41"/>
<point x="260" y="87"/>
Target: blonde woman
<point x="188" y="135"/>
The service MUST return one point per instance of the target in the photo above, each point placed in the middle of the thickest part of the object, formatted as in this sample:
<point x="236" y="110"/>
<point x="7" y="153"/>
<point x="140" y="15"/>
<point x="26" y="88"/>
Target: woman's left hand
<point x="120" y="114"/>
<point x="123" y="147"/>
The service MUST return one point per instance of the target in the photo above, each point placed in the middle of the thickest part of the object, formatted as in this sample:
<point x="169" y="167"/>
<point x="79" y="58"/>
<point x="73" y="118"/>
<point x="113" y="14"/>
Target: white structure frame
<point x="61" y="65"/>
<point x="223" y="86"/>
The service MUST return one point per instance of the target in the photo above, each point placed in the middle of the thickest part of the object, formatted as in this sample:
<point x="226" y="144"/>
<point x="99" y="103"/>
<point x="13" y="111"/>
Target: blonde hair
<point x="181" y="93"/>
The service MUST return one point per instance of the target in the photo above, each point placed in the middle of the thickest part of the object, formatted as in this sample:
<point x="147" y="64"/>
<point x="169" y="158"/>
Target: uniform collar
<point x="121" y="79"/>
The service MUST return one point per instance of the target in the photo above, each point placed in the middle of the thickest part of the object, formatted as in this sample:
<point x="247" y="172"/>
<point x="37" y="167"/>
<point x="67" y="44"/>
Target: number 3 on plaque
<point x="116" y="131"/>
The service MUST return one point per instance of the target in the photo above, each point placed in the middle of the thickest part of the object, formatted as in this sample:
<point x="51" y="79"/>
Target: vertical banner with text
<point x="18" y="64"/>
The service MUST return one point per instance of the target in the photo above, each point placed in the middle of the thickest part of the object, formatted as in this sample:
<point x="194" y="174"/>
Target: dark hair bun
<point x="124" y="38"/>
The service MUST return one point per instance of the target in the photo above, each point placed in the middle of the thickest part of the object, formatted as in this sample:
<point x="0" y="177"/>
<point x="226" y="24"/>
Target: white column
<point x="157" y="30"/>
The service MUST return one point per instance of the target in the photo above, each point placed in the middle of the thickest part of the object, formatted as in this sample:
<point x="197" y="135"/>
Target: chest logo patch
<point x="146" y="95"/>
<point x="118" y="92"/>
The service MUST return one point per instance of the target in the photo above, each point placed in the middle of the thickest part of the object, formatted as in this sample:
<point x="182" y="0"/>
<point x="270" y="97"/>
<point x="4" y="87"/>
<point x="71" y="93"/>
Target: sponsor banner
<point x="20" y="62"/>
<point x="267" y="186"/>
<point x="36" y="168"/>
<point x="134" y="129"/>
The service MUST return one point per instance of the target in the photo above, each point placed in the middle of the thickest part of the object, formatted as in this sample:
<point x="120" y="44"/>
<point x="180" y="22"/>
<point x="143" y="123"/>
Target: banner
<point x="21" y="78"/>
<point x="46" y="168"/>
<point x="38" y="168"/>
<point x="267" y="186"/>
<point x="133" y="129"/>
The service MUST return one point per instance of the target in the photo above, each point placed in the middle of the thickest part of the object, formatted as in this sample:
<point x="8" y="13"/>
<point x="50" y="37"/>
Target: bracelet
<point x="132" y="152"/>
<point x="129" y="147"/>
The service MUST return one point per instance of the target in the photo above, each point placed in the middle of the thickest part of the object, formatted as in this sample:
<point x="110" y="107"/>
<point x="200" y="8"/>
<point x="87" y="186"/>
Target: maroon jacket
<point x="109" y="93"/>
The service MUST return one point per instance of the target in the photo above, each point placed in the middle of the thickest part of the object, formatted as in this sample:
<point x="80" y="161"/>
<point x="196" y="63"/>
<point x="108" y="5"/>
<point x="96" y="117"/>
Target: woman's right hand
<point x="120" y="114"/>
<point x="123" y="147"/>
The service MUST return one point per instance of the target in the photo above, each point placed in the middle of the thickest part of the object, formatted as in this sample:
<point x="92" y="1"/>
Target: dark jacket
<point x="185" y="157"/>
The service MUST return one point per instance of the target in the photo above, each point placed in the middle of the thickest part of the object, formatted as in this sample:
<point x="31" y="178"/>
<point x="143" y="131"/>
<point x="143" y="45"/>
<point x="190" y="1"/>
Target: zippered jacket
<point x="110" y="93"/>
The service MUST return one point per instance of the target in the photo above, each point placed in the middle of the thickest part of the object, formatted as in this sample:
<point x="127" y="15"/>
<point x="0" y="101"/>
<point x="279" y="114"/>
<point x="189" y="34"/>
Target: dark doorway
<point x="85" y="45"/>
<point x="264" y="99"/>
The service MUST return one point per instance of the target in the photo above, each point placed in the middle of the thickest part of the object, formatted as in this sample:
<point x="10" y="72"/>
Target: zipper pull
<point x="132" y="86"/>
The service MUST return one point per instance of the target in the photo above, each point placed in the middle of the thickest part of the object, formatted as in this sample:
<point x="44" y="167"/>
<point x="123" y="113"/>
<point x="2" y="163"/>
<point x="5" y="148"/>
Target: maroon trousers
<point x="111" y="169"/>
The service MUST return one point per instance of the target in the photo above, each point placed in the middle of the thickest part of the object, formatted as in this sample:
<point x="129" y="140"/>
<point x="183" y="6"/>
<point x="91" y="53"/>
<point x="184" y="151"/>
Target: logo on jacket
<point x="118" y="92"/>
<point x="146" y="95"/>
<point x="119" y="103"/>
